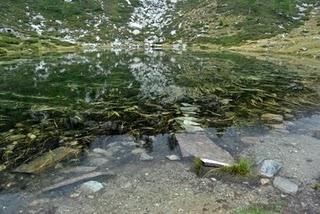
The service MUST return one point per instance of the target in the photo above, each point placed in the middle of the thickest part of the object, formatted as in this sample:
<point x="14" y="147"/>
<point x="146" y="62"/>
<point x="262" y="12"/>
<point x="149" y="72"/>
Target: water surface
<point x="66" y="99"/>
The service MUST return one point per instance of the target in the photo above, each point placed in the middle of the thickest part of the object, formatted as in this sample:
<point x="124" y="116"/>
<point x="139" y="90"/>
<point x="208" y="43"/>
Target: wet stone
<point x="173" y="157"/>
<point x="98" y="161"/>
<point x="269" y="168"/>
<point x="138" y="151"/>
<point x="102" y="152"/>
<point x="285" y="185"/>
<point x="145" y="157"/>
<point x="91" y="187"/>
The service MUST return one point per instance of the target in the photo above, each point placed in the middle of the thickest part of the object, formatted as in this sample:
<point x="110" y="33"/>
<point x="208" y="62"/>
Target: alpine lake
<point x="68" y="100"/>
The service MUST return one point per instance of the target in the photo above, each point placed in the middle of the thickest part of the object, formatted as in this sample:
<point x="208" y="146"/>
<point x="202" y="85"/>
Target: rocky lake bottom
<point x="95" y="133"/>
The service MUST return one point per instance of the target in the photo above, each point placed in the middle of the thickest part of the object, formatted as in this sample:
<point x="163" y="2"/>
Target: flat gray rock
<point x="285" y="185"/>
<point x="269" y="168"/>
<point x="199" y="145"/>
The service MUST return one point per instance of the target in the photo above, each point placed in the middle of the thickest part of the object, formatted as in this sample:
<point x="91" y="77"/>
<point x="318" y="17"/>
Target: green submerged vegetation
<point x="67" y="100"/>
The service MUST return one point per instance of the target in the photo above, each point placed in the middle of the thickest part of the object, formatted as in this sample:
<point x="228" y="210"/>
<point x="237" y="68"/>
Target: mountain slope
<point x="219" y="22"/>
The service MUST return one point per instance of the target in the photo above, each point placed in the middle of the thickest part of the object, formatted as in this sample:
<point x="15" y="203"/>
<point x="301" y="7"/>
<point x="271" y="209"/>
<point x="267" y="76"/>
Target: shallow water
<point x="66" y="99"/>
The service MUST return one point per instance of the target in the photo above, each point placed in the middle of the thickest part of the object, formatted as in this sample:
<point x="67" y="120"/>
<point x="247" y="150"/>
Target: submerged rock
<point x="91" y="187"/>
<point x="272" y="118"/>
<point x="145" y="157"/>
<point x="48" y="160"/>
<point x="285" y="185"/>
<point x="173" y="157"/>
<point x="102" y="152"/>
<point x="269" y="168"/>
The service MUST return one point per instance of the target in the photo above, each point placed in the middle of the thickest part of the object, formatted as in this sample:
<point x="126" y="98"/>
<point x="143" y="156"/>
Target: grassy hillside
<point x="82" y="20"/>
<point x="230" y="22"/>
<point x="204" y="22"/>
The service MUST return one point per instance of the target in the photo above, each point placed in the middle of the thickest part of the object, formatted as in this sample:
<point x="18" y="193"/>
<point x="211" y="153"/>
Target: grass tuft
<point x="316" y="187"/>
<point x="197" y="162"/>
<point x="243" y="168"/>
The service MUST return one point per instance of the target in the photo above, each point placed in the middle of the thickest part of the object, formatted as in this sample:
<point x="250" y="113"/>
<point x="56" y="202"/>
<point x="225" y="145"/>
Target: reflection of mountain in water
<point x="154" y="77"/>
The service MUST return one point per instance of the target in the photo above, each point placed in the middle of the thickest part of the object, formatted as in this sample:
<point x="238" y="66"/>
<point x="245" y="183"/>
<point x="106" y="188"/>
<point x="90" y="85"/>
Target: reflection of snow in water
<point x="152" y="74"/>
<point x="41" y="71"/>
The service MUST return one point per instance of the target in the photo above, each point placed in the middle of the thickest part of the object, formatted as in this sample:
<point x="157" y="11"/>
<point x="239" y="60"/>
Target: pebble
<point x="264" y="181"/>
<point x="102" y="152"/>
<point x="173" y="157"/>
<point x="138" y="151"/>
<point x="32" y="136"/>
<point x="91" y="187"/>
<point x="145" y="157"/>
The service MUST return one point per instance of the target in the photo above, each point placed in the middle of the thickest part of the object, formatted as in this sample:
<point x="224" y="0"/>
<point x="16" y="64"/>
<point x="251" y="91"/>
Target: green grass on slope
<point x="257" y="19"/>
<point x="79" y="14"/>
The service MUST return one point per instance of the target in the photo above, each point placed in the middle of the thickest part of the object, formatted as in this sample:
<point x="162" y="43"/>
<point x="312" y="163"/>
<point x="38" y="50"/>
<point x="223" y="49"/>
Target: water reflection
<point x="224" y="85"/>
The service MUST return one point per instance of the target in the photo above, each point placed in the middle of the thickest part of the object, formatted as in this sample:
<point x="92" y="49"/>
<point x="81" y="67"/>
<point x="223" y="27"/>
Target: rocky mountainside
<point x="118" y="22"/>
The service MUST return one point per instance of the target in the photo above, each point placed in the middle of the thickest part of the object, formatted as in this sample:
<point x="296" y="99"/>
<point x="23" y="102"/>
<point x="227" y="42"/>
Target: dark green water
<point x="56" y="100"/>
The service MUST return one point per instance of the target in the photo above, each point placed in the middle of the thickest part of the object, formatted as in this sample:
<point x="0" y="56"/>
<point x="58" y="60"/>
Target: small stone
<point x="19" y="125"/>
<point x="31" y="136"/>
<point x="303" y="49"/>
<point x="173" y="157"/>
<point x="145" y="157"/>
<point x="91" y="187"/>
<point x="74" y="143"/>
<point x="102" y="152"/>
<point x="138" y="151"/>
<point x="269" y="168"/>
<point x="285" y="185"/>
<point x="75" y="195"/>
<point x="272" y="118"/>
<point x="98" y="161"/>
<point x="264" y="181"/>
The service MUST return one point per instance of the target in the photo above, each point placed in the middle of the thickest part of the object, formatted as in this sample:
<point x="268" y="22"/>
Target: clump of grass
<point x="197" y="162"/>
<point x="253" y="210"/>
<point x="316" y="187"/>
<point x="260" y="209"/>
<point x="243" y="168"/>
